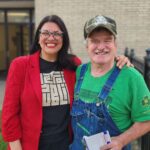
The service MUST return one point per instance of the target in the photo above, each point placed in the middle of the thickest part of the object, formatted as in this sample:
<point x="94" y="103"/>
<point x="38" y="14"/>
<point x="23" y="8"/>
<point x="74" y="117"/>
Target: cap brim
<point x="103" y="26"/>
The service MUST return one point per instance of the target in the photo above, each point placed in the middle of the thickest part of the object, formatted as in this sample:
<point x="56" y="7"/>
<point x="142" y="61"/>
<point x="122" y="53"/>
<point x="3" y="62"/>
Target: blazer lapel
<point x="35" y="75"/>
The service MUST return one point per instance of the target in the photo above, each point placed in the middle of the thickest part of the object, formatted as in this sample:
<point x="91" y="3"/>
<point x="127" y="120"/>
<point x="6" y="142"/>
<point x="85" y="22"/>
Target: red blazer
<point x="22" y="106"/>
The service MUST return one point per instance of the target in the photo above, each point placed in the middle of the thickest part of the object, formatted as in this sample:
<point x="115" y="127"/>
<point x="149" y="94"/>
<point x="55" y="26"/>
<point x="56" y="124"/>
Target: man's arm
<point x="135" y="131"/>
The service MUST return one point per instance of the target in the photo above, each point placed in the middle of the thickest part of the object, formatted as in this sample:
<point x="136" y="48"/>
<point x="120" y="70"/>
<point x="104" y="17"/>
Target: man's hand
<point x="115" y="144"/>
<point x="135" y="131"/>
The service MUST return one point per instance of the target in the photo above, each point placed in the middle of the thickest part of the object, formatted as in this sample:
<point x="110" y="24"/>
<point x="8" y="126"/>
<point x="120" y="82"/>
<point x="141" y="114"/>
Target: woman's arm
<point x="15" y="145"/>
<point x="11" y="109"/>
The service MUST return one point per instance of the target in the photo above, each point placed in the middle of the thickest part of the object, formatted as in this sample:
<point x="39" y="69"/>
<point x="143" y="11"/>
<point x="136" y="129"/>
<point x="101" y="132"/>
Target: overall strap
<point x="109" y="83"/>
<point x="80" y="80"/>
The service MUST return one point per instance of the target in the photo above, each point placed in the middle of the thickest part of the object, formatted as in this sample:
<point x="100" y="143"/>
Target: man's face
<point x="101" y="47"/>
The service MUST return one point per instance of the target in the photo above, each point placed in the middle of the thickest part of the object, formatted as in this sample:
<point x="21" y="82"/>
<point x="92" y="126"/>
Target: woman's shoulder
<point x="75" y="59"/>
<point x="20" y="62"/>
<point x="21" y="59"/>
<point x="25" y="58"/>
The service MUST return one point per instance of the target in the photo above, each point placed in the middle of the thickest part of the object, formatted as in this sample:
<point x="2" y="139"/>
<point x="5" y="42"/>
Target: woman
<point x="39" y="91"/>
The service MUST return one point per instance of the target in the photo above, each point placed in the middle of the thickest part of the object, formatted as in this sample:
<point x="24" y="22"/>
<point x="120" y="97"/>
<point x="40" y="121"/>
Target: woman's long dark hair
<point x="65" y="60"/>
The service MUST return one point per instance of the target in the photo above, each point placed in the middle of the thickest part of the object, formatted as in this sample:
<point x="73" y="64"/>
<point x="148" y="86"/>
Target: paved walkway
<point x="2" y="85"/>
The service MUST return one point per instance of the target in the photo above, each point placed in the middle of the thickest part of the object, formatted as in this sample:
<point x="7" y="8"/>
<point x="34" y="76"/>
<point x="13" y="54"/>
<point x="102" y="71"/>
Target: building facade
<point x="16" y="30"/>
<point x="132" y="17"/>
<point x="17" y="19"/>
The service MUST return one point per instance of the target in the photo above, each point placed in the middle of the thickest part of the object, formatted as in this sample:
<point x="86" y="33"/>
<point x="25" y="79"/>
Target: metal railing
<point x="142" y="66"/>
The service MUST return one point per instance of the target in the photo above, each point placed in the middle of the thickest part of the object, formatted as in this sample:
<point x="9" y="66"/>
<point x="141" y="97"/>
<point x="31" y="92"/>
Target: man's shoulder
<point x="130" y="72"/>
<point x="83" y="64"/>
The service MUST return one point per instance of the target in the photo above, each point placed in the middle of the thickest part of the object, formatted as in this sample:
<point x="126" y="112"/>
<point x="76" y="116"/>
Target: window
<point x="18" y="16"/>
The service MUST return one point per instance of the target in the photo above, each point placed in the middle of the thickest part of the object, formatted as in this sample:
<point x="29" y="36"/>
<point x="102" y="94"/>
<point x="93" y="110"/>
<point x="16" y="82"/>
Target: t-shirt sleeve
<point x="140" y="110"/>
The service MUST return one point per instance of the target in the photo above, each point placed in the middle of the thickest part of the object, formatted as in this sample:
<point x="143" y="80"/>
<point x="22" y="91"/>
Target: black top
<point x="55" y="102"/>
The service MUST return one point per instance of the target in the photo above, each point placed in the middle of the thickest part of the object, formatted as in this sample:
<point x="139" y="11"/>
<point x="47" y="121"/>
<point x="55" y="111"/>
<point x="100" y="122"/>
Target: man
<point x="105" y="97"/>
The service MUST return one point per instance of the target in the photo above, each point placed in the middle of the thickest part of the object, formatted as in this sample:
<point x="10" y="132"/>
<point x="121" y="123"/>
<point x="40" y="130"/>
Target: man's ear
<point x="116" y="42"/>
<point x="86" y="46"/>
<point x="86" y="43"/>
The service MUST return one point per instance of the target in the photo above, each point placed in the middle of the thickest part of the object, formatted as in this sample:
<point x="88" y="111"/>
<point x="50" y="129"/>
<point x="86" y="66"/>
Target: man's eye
<point x="95" y="41"/>
<point x="107" y="41"/>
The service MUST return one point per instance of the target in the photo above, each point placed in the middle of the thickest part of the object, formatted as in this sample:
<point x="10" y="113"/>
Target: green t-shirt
<point x="129" y="99"/>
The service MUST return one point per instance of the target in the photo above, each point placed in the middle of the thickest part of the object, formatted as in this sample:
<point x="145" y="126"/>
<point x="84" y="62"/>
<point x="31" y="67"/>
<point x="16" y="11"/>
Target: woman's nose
<point x="51" y="36"/>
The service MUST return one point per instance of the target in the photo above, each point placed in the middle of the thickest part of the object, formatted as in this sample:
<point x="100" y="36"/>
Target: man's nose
<point x="100" y="45"/>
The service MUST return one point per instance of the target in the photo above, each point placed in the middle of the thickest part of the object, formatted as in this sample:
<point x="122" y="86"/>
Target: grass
<point x="3" y="145"/>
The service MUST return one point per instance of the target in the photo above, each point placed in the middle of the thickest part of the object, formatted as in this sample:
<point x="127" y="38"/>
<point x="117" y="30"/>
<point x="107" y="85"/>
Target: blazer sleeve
<point x="77" y="61"/>
<point x="11" y="109"/>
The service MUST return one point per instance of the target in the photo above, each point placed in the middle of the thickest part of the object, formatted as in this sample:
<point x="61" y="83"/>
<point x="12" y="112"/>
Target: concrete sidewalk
<point x="2" y="85"/>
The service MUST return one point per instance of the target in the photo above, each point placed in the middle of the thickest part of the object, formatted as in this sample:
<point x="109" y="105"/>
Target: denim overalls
<point x="92" y="118"/>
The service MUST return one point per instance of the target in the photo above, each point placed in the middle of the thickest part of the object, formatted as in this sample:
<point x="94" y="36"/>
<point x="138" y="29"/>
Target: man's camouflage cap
<point x="100" y="21"/>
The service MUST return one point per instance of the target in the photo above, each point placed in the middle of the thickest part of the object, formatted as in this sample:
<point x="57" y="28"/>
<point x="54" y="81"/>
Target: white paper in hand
<point x="96" y="141"/>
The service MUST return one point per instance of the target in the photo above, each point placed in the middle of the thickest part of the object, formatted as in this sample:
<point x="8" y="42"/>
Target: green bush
<point x="3" y="145"/>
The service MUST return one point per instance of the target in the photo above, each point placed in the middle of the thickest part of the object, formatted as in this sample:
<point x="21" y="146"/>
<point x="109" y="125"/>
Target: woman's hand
<point x="123" y="60"/>
<point x="15" y="145"/>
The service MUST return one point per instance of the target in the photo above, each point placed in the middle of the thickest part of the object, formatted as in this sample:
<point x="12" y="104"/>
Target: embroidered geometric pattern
<point x="54" y="89"/>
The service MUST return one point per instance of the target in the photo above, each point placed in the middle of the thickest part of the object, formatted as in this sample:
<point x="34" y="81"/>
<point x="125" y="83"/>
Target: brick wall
<point x="132" y="17"/>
